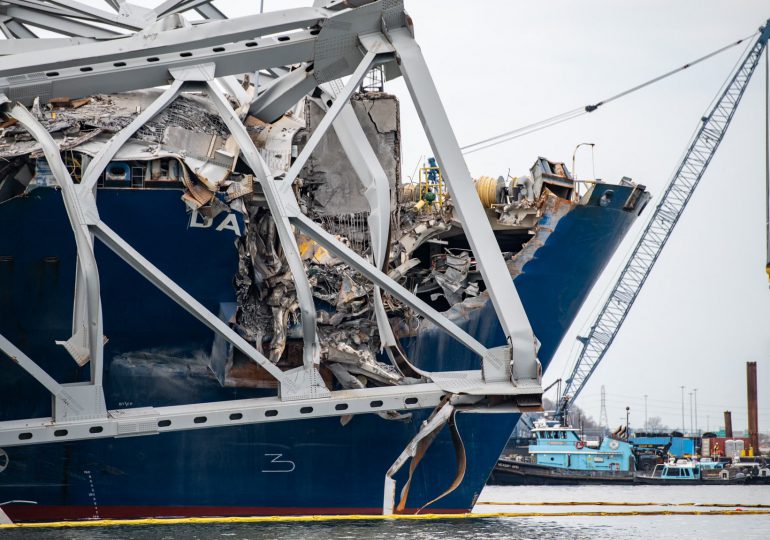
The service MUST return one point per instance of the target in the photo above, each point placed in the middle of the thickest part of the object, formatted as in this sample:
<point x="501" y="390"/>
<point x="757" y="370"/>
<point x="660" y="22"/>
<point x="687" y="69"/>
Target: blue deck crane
<point x="710" y="132"/>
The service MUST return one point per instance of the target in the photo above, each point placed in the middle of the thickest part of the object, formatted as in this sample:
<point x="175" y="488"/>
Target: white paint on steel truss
<point x="328" y="41"/>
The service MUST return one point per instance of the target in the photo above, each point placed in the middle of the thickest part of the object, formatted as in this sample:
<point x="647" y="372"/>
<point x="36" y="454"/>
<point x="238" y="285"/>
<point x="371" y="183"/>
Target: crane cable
<point x="580" y="111"/>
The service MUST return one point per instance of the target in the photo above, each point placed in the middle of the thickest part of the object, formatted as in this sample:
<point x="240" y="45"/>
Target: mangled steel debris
<point x="188" y="145"/>
<point x="417" y="237"/>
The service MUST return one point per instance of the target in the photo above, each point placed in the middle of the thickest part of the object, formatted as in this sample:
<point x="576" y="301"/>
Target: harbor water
<point x="649" y="512"/>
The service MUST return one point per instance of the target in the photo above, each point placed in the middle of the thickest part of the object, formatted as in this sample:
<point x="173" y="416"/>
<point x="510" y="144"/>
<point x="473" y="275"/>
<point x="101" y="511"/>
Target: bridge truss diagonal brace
<point x="297" y="383"/>
<point x="79" y="400"/>
<point x="166" y="285"/>
<point x="508" y="306"/>
<point x="79" y="212"/>
<point x="28" y="365"/>
<point x="108" y="151"/>
<point x="278" y="203"/>
<point x="376" y="276"/>
<point x="311" y="349"/>
<point x="129" y="18"/>
<point x="377" y="192"/>
<point x="86" y="191"/>
<point x="54" y="21"/>
<point x="330" y="116"/>
<point x="71" y="401"/>
<point x="86" y="221"/>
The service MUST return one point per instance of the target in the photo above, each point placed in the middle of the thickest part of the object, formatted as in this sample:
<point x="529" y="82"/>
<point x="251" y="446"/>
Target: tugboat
<point x="560" y="456"/>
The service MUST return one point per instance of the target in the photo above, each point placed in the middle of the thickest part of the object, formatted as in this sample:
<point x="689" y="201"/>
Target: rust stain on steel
<point x="751" y="389"/>
<point x="728" y="424"/>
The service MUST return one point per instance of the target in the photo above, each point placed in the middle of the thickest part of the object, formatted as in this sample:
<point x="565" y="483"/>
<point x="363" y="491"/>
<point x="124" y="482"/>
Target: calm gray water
<point x="740" y="527"/>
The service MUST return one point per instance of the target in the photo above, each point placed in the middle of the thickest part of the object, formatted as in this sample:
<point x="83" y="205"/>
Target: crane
<point x="703" y="145"/>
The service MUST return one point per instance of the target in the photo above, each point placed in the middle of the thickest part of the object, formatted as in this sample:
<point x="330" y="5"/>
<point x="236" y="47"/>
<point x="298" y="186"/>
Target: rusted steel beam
<point x="728" y="424"/>
<point x="751" y="391"/>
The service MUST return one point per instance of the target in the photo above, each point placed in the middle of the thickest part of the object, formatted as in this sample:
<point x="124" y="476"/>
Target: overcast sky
<point x="705" y="310"/>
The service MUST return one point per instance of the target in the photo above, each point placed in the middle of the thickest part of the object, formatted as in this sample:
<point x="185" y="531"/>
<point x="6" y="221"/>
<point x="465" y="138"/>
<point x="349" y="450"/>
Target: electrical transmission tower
<point x="604" y="422"/>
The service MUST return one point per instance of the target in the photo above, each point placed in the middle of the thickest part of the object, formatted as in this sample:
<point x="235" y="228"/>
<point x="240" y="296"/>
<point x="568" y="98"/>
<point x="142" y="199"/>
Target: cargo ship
<point x="182" y="191"/>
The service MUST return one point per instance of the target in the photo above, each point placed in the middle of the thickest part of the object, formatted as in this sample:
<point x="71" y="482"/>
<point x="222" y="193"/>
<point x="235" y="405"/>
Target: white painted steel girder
<point x="57" y="23"/>
<point x="80" y="212"/>
<point x="377" y="192"/>
<point x="177" y="40"/>
<point x="128" y="16"/>
<point x="311" y="349"/>
<point x="508" y="306"/>
<point x="327" y="39"/>
<point x="154" y="420"/>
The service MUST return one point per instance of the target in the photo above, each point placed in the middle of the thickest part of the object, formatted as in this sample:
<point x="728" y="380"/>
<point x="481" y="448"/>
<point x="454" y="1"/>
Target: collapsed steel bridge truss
<point x="132" y="48"/>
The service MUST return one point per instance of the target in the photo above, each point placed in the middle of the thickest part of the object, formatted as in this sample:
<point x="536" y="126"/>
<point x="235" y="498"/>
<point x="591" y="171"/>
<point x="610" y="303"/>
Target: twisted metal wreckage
<point x="239" y="98"/>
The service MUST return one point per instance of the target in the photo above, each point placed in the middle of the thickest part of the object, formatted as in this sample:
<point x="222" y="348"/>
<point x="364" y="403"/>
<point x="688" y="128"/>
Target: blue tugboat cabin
<point x="559" y="446"/>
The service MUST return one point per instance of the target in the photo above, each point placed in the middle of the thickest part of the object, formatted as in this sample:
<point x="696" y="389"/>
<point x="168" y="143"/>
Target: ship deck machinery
<point x="219" y="296"/>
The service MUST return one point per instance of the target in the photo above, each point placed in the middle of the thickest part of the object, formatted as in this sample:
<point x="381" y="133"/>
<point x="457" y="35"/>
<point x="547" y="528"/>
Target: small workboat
<point x="686" y="472"/>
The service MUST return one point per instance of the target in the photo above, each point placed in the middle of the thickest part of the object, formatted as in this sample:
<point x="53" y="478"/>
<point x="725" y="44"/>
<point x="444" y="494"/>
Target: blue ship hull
<point x="299" y="467"/>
